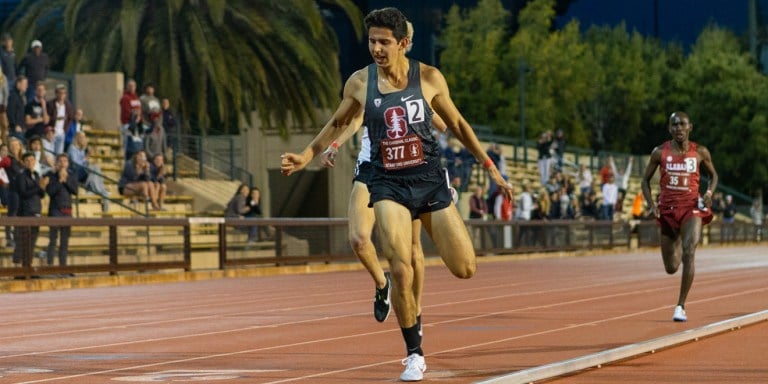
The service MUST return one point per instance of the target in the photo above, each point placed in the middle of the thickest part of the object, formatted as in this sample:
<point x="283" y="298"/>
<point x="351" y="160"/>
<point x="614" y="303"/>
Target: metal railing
<point x="216" y="157"/>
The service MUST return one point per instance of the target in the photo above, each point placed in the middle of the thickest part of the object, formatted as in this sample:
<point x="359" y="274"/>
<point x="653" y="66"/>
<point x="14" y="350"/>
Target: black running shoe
<point x="381" y="303"/>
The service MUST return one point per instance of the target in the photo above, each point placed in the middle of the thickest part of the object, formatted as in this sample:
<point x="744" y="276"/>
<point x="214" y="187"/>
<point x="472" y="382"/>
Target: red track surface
<point x="318" y="328"/>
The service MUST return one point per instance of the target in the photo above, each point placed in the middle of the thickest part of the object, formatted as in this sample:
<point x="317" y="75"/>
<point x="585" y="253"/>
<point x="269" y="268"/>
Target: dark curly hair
<point x="390" y="18"/>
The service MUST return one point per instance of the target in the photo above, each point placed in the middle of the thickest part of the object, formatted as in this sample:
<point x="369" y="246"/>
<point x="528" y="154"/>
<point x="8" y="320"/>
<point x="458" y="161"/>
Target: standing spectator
<point x="169" y="123"/>
<point x="544" y="146"/>
<point x="136" y="180"/>
<point x="75" y="126"/>
<point x="87" y="173"/>
<point x="61" y="186"/>
<point x="559" y="146"/>
<point x="35" y="65"/>
<point x="49" y="154"/>
<point x="638" y="207"/>
<point x="155" y="141"/>
<point x="42" y="164"/>
<point x="130" y="107"/>
<point x="606" y="171"/>
<point x="729" y="217"/>
<point x="584" y="177"/>
<point x="61" y="115"/>
<point x="718" y="205"/>
<point x="8" y="60"/>
<point x="17" y="104"/>
<point x="157" y="171"/>
<point x="523" y="213"/>
<point x="4" y="92"/>
<point x="622" y="179"/>
<point x="477" y="205"/>
<point x="36" y="113"/>
<point x="610" y="197"/>
<point x="756" y="211"/>
<point x="5" y="160"/>
<point x="13" y="168"/>
<point x="150" y="107"/>
<point x="31" y="189"/>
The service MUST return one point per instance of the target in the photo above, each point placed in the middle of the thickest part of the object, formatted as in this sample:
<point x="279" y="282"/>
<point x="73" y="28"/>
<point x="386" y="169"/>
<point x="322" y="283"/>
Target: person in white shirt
<point x="62" y="113"/>
<point x="610" y="197"/>
<point x="585" y="179"/>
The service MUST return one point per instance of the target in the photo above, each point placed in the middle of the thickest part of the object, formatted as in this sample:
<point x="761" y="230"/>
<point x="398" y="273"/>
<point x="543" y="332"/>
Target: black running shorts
<point x="363" y="172"/>
<point x="420" y="193"/>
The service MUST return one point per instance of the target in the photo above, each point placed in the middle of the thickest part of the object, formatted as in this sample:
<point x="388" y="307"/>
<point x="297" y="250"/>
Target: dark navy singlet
<point x="399" y="126"/>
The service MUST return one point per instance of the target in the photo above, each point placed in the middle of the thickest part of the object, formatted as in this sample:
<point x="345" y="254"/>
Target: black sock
<point x="412" y="338"/>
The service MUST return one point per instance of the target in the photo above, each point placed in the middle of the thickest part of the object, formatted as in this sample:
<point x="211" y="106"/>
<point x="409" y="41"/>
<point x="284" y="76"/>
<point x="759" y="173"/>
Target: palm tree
<point x="221" y="59"/>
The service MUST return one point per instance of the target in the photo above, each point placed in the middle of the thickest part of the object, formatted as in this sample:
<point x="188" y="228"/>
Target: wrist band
<point x="488" y="163"/>
<point x="334" y="145"/>
<point x="708" y="193"/>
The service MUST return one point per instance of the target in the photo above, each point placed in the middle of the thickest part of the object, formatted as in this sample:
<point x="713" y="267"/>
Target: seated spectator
<point x="589" y="207"/>
<point x="169" y="122"/>
<point x="42" y="163"/>
<point x="5" y="182"/>
<point x="136" y="180"/>
<point x="76" y="125"/>
<point x="87" y="173"/>
<point x="4" y="89"/>
<point x="155" y="142"/>
<point x="134" y="139"/>
<point x="584" y="178"/>
<point x="157" y="170"/>
<point x="49" y="146"/>
<point x="254" y="202"/>
<point x="238" y="207"/>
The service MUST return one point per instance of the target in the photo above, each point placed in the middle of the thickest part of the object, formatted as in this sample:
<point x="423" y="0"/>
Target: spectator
<point x="35" y="66"/>
<point x="8" y="60"/>
<point x="155" y="141"/>
<point x="134" y="139"/>
<point x="523" y="213"/>
<point x="589" y="207"/>
<point x="558" y="144"/>
<point x="622" y="180"/>
<point x="62" y="115"/>
<point x="150" y="107"/>
<point x="552" y="185"/>
<point x="136" y="180"/>
<point x="610" y="197"/>
<point x="61" y="186"/>
<point x="169" y="122"/>
<point x="17" y="104"/>
<point x="718" y="205"/>
<point x="36" y="113"/>
<point x="157" y="170"/>
<point x="256" y="233"/>
<point x="13" y="168"/>
<point x="238" y="207"/>
<point x="584" y="177"/>
<point x="729" y="218"/>
<point x="48" y="148"/>
<point x="31" y="189"/>
<point x="4" y="90"/>
<point x="544" y="146"/>
<point x="75" y="126"/>
<point x="477" y="205"/>
<point x="638" y="207"/>
<point x="606" y="171"/>
<point x="42" y="163"/>
<point x="756" y="211"/>
<point x="130" y="107"/>
<point x="5" y="160"/>
<point x="87" y="173"/>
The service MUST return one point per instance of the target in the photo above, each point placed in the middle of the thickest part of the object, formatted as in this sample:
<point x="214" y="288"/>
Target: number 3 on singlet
<point x="415" y="111"/>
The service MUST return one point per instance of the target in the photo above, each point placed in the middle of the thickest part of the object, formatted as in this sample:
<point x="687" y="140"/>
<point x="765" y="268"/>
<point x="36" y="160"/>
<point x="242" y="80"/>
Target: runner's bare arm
<point x="328" y="159"/>
<point x="709" y="167"/>
<point x="350" y="106"/>
<point x="442" y="104"/>
<point x="650" y="169"/>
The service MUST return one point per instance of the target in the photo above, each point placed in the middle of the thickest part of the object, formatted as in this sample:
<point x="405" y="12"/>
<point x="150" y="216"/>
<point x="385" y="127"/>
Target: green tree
<point x="221" y="59"/>
<point x="558" y="78"/>
<point x="727" y="99"/>
<point x="626" y="78"/>
<point x="473" y="41"/>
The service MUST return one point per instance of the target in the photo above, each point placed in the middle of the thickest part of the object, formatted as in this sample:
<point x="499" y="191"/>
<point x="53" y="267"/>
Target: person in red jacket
<point x="130" y="106"/>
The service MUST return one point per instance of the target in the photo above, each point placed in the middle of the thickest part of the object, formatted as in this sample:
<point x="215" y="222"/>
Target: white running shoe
<point x="679" y="314"/>
<point x="414" y="368"/>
